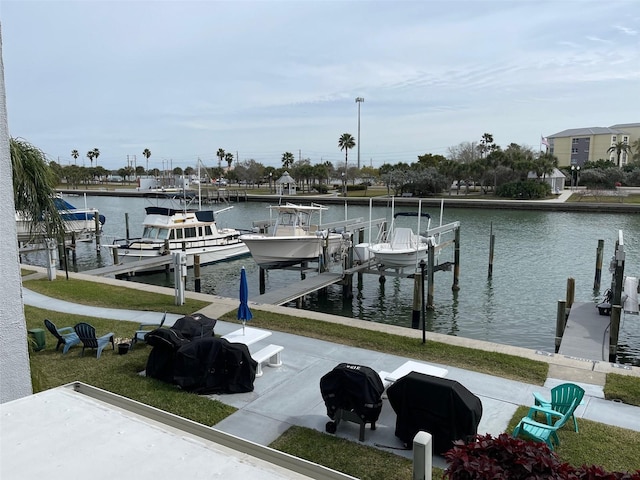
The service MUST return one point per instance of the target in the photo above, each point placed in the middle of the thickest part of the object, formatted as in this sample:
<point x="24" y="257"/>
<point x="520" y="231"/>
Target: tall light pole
<point x="359" y="100"/>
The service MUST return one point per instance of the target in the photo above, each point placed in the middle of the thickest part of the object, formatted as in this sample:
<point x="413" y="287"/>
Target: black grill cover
<point x="442" y="407"/>
<point x="214" y="365"/>
<point x="195" y="326"/>
<point x="355" y="388"/>
<point x="165" y="343"/>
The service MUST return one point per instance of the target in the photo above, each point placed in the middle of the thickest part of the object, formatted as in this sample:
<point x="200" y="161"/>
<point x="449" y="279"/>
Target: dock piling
<point x="561" y="322"/>
<point x="599" y="255"/>
<point x="571" y="292"/>
<point x="492" y="242"/>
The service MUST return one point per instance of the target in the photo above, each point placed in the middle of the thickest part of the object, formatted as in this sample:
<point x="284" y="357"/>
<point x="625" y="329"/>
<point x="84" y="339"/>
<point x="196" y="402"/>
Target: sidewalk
<point x="290" y="394"/>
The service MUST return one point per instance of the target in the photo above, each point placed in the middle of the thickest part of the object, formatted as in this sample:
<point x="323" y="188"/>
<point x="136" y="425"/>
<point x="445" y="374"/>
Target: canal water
<point x="535" y="253"/>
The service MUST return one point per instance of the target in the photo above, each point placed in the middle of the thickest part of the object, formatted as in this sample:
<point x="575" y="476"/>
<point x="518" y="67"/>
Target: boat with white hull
<point x="166" y="230"/>
<point x="294" y="239"/>
<point x="78" y="222"/>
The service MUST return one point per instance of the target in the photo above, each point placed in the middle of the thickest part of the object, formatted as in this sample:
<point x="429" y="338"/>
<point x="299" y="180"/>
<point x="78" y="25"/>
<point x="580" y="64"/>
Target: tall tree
<point x="229" y="158"/>
<point x="146" y="153"/>
<point x="75" y="155"/>
<point x="619" y="148"/>
<point x="220" y="154"/>
<point x="487" y="145"/>
<point x="636" y="146"/>
<point x="90" y="156"/>
<point x="96" y="154"/>
<point x="287" y="159"/>
<point x="346" y="142"/>
<point x="34" y="186"/>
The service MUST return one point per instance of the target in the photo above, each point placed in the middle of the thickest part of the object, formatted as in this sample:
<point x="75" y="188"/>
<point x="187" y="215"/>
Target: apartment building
<point x="577" y="146"/>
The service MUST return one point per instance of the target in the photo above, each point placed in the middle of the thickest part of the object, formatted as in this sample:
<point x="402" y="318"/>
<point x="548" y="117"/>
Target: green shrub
<point x="525" y="190"/>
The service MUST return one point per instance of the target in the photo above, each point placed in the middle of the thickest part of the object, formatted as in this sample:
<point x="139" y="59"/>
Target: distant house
<point x="577" y="146"/>
<point x="556" y="180"/>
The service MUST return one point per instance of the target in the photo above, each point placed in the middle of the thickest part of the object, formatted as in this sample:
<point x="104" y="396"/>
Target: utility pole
<point x="359" y="100"/>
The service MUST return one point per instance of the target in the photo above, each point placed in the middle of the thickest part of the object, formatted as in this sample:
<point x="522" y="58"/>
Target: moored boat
<point x="296" y="237"/>
<point x="79" y="222"/>
<point x="167" y="230"/>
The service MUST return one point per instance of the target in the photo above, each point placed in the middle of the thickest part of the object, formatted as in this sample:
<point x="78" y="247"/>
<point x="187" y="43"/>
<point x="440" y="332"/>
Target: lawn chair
<point x="561" y="400"/>
<point x="145" y="328"/>
<point x="66" y="335"/>
<point x="87" y="335"/>
<point x="528" y="428"/>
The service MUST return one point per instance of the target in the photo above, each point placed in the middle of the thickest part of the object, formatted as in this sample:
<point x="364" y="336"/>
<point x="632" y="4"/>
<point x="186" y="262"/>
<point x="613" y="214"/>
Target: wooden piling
<point x="262" y="281"/>
<point x="561" y="322"/>
<point x="116" y="260"/>
<point x="126" y="225"/>
<point x="196" y="273"/>
<point x="599" y="254"/>
<point x="571" y="291"/>
<point x="417" y="300"/>
<point x="456" y="262"/>
<point x="430" y="283"/>
<point x="492" y="242"/>
<point x="616" y="311"/>
<point x="96" y="219"/>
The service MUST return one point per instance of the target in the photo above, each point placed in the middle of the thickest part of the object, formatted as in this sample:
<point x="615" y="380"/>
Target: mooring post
<point x="196" y="272"/>
<point x="262" y="281"/>
<point x="360" y="240"/>
<point x="492" y="242"/>
<point x="96" y="220"/>
<point x="599" y="254"/>
<point x="126" y="225"/>
<point x="116" y="260"/>
<point x="430" y="284"/>
<point x="616" y="311"/>
<point x="561" y="322"/>
<point x="73" y="248"/>
<point x="571" y="291"/>
<point x="422" y="306"/>
<point x="456" y="261"/>
<point x="416" y="313"/>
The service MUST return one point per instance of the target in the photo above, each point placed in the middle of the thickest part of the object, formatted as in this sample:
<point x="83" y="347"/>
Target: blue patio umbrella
<point x="244" y="313"/>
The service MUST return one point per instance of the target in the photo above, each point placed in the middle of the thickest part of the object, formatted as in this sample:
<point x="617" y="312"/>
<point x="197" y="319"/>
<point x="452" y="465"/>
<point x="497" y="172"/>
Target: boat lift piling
<point x="598" y="275"/>
<point x="98" y="235"/>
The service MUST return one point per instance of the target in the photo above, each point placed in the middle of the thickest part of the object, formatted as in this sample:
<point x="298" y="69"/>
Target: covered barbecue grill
<point x="353" y="393"/>
<point x="442" y="407"/>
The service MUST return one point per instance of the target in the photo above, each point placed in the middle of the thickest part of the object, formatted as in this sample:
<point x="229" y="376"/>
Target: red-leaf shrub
<point x="505" y="457"/>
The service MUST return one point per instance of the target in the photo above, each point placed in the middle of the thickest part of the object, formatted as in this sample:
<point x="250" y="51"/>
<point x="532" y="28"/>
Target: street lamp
<point x="359" y="100"/>
<point x="270" y="174"/>
<point x="575" y="171"/>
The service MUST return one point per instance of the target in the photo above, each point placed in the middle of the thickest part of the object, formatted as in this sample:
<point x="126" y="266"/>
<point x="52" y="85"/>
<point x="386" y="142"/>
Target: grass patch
<point x="614" y="448"/>
<point x="493" y="363"/>
<point x="115" y="373"/>
<point x="360" y="461"/>
<point x="623" y="388"/>
<point x="104" y="295"/>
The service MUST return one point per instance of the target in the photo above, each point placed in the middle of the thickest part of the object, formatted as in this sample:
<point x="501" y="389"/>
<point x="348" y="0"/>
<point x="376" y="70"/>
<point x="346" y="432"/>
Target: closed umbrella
<point x="244" y="313"/>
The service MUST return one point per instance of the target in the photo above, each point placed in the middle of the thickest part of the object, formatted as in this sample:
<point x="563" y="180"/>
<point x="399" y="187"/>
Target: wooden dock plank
<point x="586" y="335"/>
<point x="299" y="289"/>
<point x="131" y="267"/>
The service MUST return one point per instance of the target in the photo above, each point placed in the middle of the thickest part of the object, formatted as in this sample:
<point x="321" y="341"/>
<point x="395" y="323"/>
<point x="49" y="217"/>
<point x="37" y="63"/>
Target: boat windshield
<point x="150" y="232"/>
<point x="294" y="219"/>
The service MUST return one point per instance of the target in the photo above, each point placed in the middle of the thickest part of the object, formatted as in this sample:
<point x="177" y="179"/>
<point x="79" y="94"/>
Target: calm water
<point x="535" y="253"/>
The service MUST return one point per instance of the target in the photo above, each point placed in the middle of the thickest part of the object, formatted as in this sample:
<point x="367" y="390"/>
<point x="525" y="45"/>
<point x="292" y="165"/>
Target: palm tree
<point x="146" y="153"/>
<point x="220" y="156"/>
<point x="75" y="155"/>
<point x="287" y="159"/>
<point x="96" y="154"/>
<point x="619" y="148"/>
<point x="229" y="158"/>
<point x="90" y="156"/>
<point x="345" y="142"/>
<point x="34" y="186"/>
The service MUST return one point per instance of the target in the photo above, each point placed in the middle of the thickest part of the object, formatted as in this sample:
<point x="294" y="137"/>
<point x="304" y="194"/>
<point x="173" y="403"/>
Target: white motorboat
<point x="79" y="222"/>
<point x="403" y="247"/>
<point x="166" y="230"/>
<point x="296" y="237"/>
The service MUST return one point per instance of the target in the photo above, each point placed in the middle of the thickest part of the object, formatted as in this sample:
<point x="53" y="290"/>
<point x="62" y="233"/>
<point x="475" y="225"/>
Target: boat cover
<point x="354" y="388"/>
<point x="195" y="325"/>
<point x="442" y="407"/>
<point x="214" y="365"/>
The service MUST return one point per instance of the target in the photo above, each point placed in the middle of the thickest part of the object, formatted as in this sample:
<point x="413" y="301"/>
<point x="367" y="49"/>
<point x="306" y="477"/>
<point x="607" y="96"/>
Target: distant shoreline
<point x="449" y="201"/>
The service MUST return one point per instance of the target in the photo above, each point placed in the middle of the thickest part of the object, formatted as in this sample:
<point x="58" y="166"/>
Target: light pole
<point x="344" y="186"/>
<point x="270" y="191"/>
<point x="575" y="171"/>
<point x="359" y="100"/>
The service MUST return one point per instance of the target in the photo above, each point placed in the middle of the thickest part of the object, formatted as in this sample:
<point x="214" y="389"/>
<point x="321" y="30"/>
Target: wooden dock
<point x="299" y="289"/>
<point x="586" y="334"/>
<point x="132" y="267"/>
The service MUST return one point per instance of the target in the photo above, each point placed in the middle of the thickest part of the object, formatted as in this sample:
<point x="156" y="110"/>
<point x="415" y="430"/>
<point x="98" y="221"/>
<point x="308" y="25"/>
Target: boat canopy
<point x="411" y="214"/>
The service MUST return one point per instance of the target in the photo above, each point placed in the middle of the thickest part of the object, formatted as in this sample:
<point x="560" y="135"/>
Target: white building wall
<point x="15" y="376"/>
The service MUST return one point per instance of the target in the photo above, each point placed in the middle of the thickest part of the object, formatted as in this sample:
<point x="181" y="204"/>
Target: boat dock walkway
<point x="586" y="334"/>
<point x="299" y="289"/>
<point x="132" y="267"/>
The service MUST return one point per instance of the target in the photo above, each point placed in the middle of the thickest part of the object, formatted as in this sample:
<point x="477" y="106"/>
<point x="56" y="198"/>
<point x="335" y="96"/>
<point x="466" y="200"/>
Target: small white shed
<point x="286" y="185"/>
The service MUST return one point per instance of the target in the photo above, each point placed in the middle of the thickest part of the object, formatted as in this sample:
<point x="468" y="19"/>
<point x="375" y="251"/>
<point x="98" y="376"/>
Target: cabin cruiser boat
<point x="296" y="237"/>
<point x="167" y="230"/>
<point x="79" y="222"/>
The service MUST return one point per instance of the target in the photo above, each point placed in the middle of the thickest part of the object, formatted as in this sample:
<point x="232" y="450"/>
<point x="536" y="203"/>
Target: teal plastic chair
<point x="145" y="328"/>
<point x="530" y="429"/>
<point x="87" y="335"/>
<point x="66" y="335"/>
<point x="561" y="400"/>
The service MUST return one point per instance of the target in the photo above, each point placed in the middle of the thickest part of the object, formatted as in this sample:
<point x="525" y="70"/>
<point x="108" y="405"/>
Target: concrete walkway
<point x="290" y="394"/>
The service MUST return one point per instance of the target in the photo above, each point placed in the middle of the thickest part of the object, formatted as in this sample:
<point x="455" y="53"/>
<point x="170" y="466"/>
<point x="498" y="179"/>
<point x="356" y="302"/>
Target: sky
<point x="260" y="78"/>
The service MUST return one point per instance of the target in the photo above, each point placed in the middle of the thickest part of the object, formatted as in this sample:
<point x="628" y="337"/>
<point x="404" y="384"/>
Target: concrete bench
<point x="410" y="366"/>
<point x="270" y="353"/>
<point x="247" y="335"/>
